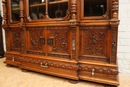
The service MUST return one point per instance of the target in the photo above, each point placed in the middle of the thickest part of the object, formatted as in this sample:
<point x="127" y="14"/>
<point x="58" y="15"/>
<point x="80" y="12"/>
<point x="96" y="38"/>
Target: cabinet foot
<point x="7" y="65"/>
<point x="110" y="85"/>
<point x="24" y="70"/>
<point x="74" y="81"/>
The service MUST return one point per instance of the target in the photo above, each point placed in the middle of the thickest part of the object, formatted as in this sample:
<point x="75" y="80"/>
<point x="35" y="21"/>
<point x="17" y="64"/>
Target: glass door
<point x="57" y="8"/>
<point x="15" y="12"/>
<point x="37" y="9"/>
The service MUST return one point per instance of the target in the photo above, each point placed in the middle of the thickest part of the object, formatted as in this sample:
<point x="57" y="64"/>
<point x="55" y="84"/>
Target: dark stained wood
<point x="65" y="38"/>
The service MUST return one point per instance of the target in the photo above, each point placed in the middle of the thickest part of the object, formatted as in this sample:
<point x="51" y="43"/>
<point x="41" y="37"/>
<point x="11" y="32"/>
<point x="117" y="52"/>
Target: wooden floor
<point x="14" y="77"/>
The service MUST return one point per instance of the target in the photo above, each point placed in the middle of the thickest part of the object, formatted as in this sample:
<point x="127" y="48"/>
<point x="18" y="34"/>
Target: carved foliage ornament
<point x="35" y="34"/>
<point x="60" y="35"/>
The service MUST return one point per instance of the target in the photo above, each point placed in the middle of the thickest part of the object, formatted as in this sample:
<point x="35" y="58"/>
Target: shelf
<point x="43" y="4"/>
<point x="16" y="8"/>
<point x="58" y="2"/>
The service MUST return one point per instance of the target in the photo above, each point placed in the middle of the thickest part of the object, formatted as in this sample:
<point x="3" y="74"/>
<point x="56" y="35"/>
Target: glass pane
<point x="36" y="9"/>
<point x="58" y="8"/>
<point x="15" y="10"/>
<point x="94" y="7"/>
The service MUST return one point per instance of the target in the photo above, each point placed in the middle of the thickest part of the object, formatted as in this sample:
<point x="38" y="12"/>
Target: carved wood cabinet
<point x="74" y="39"/>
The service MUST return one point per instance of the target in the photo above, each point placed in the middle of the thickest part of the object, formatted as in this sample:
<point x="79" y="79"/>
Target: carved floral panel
<point x="94" y="42"/>
<point x="16" y="40"/>
<point x="60" y="35"/>
<point x="35" y="34"/>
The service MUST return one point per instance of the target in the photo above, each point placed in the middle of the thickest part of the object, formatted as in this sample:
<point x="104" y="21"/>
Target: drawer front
<point x="56" y="68"/>
<point x="13" y="59"/>
<point x="101" y="74"/>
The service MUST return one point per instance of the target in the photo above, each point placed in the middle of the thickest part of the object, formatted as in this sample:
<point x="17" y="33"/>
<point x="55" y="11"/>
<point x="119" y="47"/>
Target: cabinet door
<point x="95" y="9"/>
<point x="37" y="9"/>
<point x="14" y="10"/>
<point x="15" y="39"/>
<point x="95" y="43"/>
<point x="35" y="40"/>
<point x="58" y="41"/>
<point x="57" y="8"/>
<point x="48" y="9"/>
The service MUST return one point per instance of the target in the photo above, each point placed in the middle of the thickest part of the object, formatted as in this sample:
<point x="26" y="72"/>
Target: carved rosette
<point x="101" y="70"/>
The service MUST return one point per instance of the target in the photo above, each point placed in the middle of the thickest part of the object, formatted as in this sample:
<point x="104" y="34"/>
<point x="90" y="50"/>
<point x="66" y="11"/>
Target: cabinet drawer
<point x="55" y="68"/>
<point x="101" y="74"/>
<point x="13" y="59"/>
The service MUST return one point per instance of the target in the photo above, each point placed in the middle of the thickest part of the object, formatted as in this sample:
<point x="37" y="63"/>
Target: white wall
<point x="123" y="53"/>
<point x="124" y="37"/>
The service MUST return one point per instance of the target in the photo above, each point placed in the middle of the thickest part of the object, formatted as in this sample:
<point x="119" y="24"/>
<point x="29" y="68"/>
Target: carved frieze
<point x="50" y="63"/>
<point x="102" y="70"/>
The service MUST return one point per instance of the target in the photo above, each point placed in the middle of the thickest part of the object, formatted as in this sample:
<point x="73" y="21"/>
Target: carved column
<point x="4" y="11"/>
<point x="114" y="9"/>
<point x="73" y="10"/>
<point x="21" y="10"/>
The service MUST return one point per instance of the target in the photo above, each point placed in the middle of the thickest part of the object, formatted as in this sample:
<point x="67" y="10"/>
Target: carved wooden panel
<point x="13" y="57"/>
<point x="36" y="40"/>
<point x="50" y="63"/>
<point x="93" y="43"/>
<point x="35" y="34"/>
<point x="114" y="46"/>
<point x="61" y="44"/>
<point x="98" y="69"/>
<point x="16" y="39"/>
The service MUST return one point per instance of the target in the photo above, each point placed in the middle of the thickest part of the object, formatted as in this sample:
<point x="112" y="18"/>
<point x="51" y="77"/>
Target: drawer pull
<point x="44" y="66"/>
<point x="93" y="72"/>
<point x="13" y="59"/>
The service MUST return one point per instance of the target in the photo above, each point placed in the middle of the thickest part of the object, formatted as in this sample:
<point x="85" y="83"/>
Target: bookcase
<point x="74" y="39"/>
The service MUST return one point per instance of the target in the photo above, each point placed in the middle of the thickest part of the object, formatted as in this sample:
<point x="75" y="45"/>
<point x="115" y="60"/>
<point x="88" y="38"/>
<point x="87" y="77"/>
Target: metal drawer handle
<point x="44" y="66"/>
<point x="93" y="72"/>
